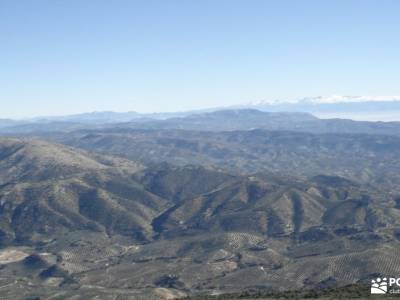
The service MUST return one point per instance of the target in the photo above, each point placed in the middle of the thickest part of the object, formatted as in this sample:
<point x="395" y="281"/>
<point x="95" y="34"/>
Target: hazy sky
<point x="68" y="56"/>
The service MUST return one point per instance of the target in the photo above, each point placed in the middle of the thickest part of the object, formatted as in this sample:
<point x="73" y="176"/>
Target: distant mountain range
<point x="220" y="120"/>
<point x="360" y="108"/>
<point x="109" y="117"/>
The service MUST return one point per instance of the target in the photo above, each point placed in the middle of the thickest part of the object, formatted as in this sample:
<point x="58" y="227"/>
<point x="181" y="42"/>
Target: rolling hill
<point x="79" y="223"/>
<point x="364" y="158"/>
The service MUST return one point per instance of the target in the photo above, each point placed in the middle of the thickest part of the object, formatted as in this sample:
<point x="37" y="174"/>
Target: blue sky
<point x="69" y="56"/>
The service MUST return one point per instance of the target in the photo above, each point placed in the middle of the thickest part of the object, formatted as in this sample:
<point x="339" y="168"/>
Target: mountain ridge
<point x="316" y="104"/>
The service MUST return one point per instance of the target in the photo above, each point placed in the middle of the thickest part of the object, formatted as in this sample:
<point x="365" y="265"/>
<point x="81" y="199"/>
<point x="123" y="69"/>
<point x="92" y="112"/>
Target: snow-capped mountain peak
<point x="328" y="100"/>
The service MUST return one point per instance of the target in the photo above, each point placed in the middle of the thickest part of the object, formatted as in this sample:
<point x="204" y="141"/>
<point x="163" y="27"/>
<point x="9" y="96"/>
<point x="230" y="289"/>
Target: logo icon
<point x="379" y="286"/>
